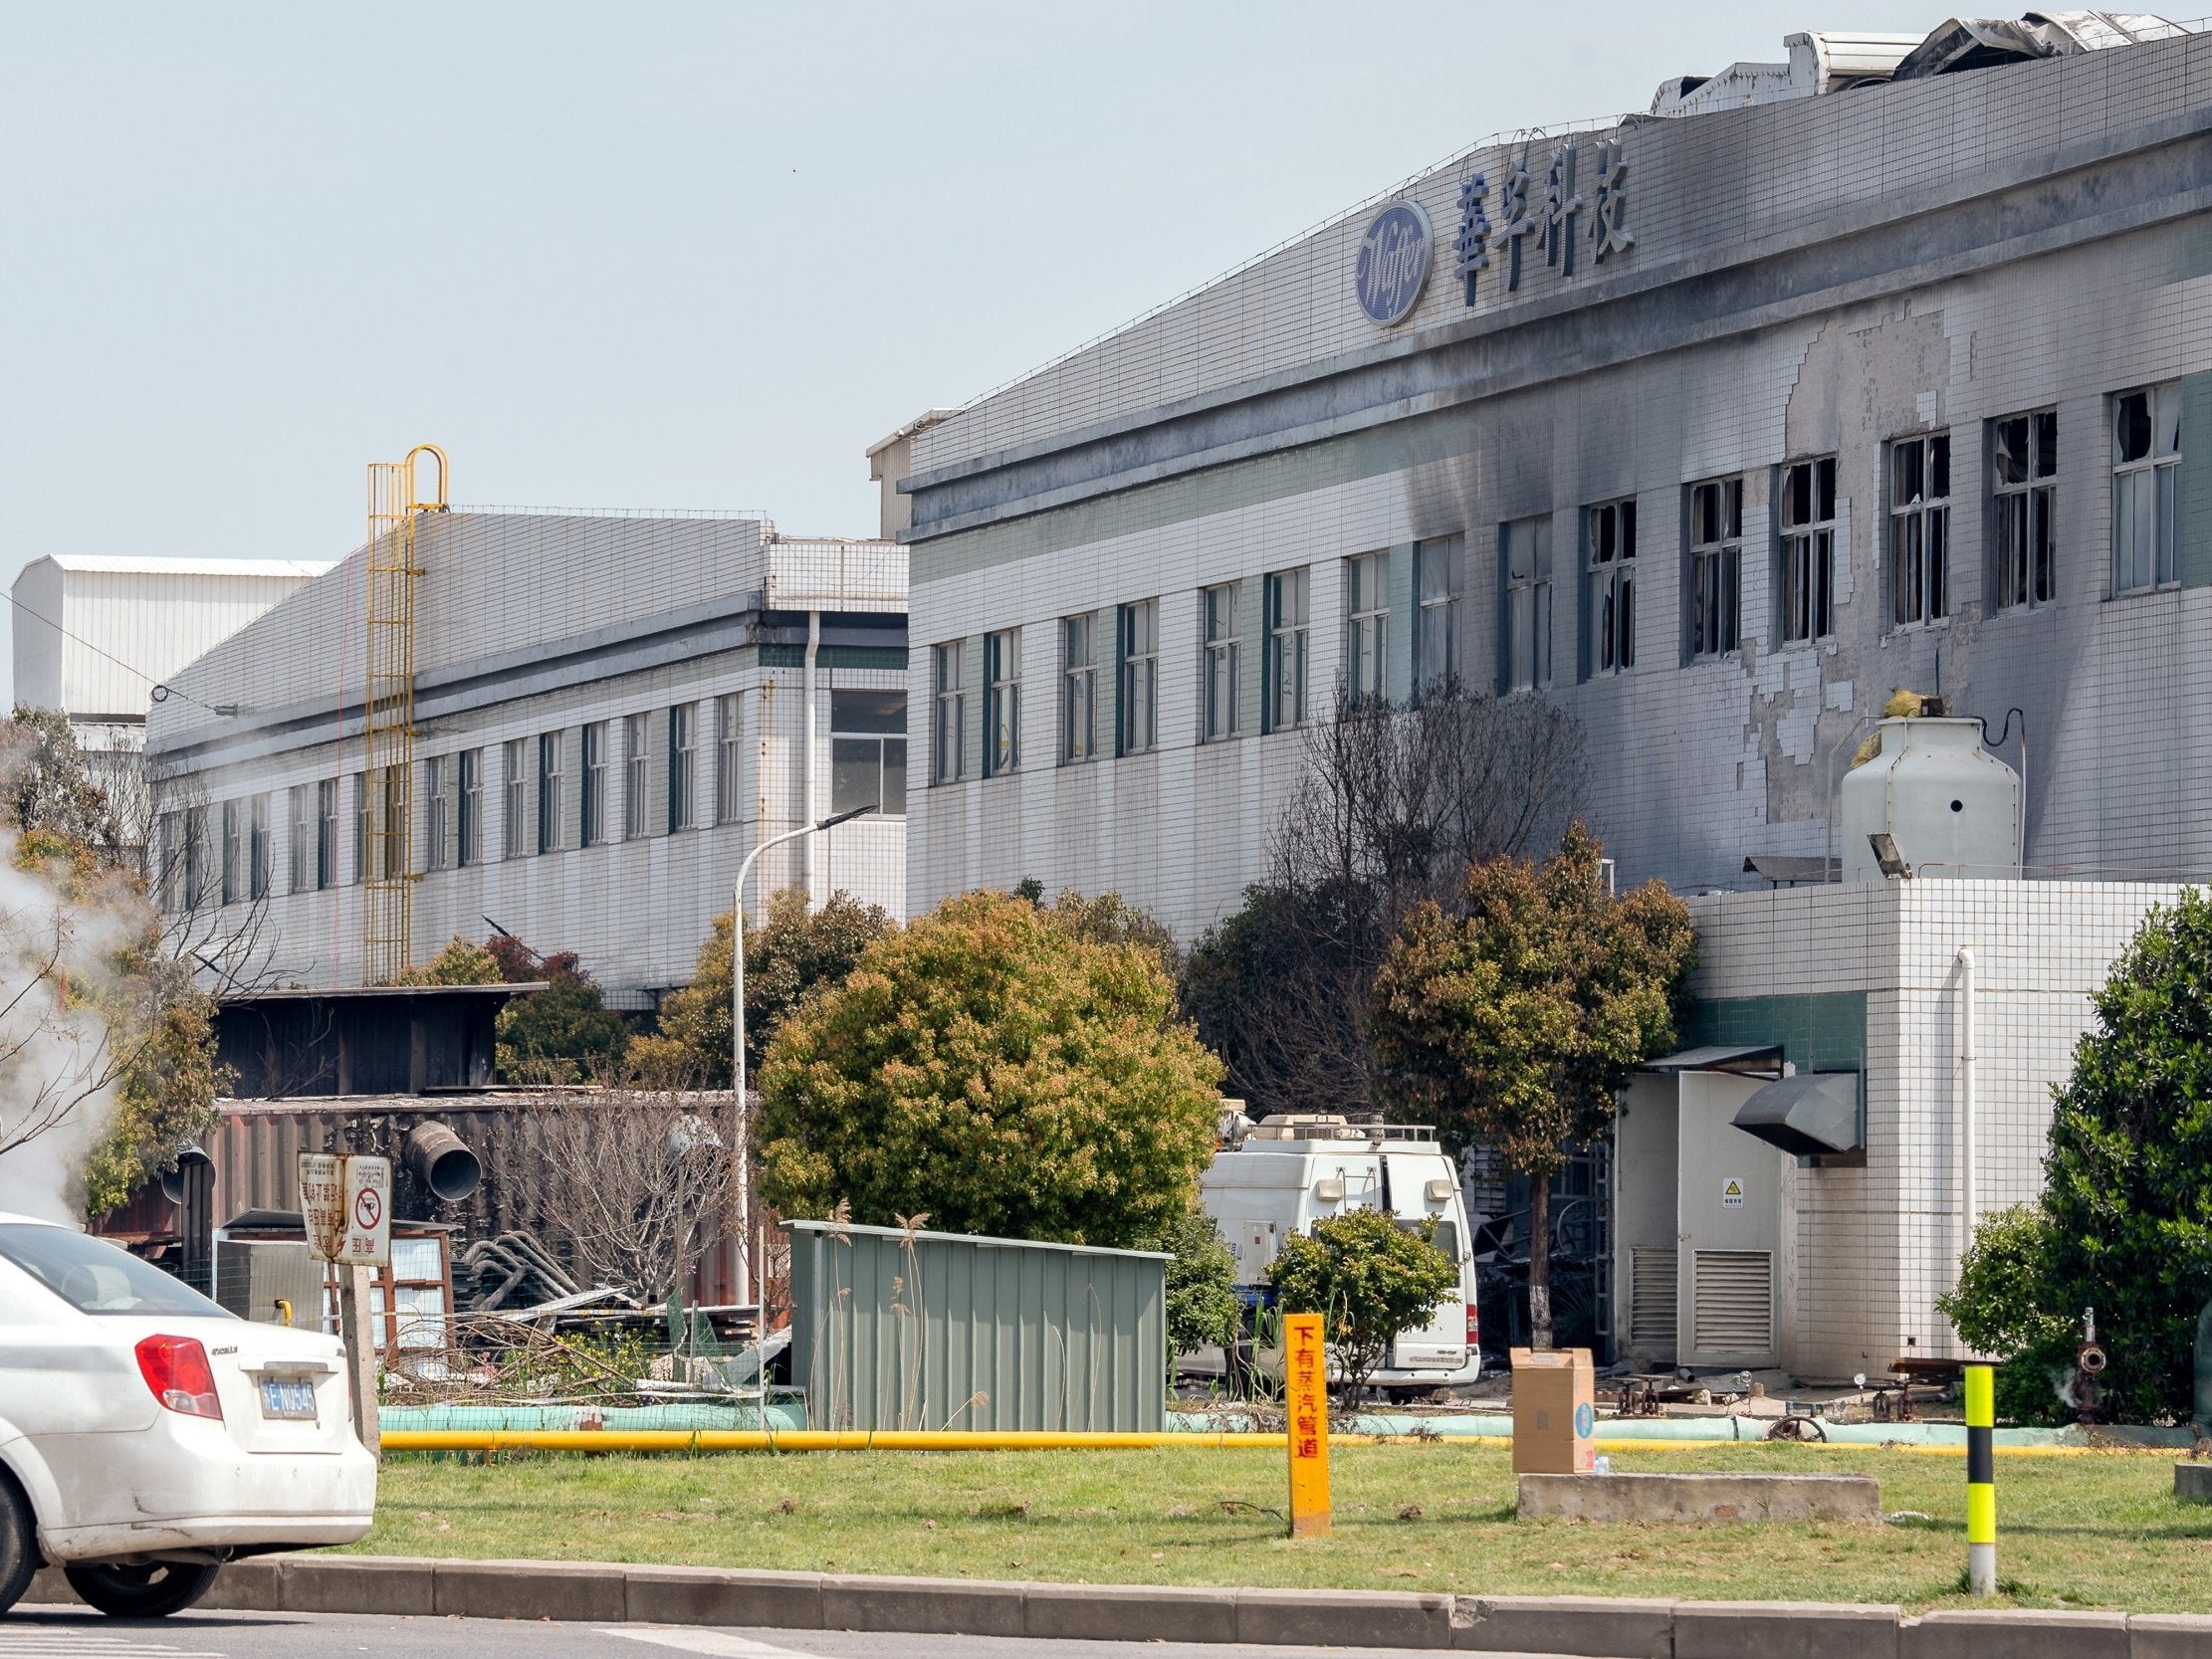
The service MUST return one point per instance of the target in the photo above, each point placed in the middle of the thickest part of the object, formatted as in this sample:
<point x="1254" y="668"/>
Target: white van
<point x="1278" y="1178"/>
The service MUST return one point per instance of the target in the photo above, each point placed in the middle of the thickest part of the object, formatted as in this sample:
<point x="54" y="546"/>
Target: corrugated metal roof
<point x="119" y="566"/>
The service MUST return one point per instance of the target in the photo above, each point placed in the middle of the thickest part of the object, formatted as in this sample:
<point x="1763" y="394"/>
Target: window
<point x="233" y="885"/>
<point x="1078" y="687"/>
<point x="1367" y="586"/>
<point x="592" y="821"/>
<point x="1289" y="610"/>
<point x="325" y="834"/>
<point x="948" y="747"/>
<point x="1527" y="559"/>
<point x="256" y="850"/>
<point x="1138" y="651"/>
<point x="436" y="773"/>
<point x="360" y="827"/>
<point x="2024" y="471"/>
<point x="1437" y="620"/>
<point x="1715" y="565"/>
<point x="1222" y="654"/>
<point x="1919" y="529"/>
<point x="1001" y="701"/>
<point x="515" y="782"/>
<point x="393" y="843"/>
<point x="1612" y="589"/>
<point x="1809" y="549"/>
<point x="683" y="764"/>
<point x="634" y="781"/>
<point x="468" y="843"/>
<point x="2146" y="467"/>
<point x="548" y="792"/>
<point x="195" y="857"/>
<point x="302" y="860"/>
<point x="867" y="752"/>
<point x="730" y="758"/>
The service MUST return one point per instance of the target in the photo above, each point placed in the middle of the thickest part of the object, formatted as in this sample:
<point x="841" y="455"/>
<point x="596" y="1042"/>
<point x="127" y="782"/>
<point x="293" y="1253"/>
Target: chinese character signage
<point x="1393" y="261"/>
<point x="1306" y="1391"/>
<point x="1555" y="222"/>
<point x="345" y="1203"/>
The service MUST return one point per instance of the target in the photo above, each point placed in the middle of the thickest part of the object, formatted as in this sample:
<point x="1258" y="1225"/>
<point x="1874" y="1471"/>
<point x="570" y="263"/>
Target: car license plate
<point x="289" y="1397"/>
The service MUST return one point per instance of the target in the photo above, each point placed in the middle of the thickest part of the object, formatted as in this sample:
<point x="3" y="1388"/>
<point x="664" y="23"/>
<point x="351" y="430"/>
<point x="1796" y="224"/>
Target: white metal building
<point x="95" y="636"/>
<point x="611" y="710"/>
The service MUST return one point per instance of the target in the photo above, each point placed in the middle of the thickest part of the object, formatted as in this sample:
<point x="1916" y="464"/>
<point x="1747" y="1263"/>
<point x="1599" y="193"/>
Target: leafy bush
<point x="1202" y="1305"/>
<point x="1370" y="1278"/>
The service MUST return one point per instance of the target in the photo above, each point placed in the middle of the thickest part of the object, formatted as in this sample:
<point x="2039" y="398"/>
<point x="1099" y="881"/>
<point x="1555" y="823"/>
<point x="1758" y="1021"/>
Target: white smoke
<point x="58" y="1058"/>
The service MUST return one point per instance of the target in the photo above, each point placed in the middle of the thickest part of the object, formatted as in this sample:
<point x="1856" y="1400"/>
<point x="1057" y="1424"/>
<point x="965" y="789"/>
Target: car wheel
<point x="154" y="1591"/>
<point x="18" y="1553"/>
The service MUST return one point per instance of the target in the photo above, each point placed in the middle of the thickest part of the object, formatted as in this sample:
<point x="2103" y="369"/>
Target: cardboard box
<point x="1554" y="1412"/>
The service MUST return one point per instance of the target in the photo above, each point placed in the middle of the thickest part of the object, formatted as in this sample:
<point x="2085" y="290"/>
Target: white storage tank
<point x="1952" y="808"/>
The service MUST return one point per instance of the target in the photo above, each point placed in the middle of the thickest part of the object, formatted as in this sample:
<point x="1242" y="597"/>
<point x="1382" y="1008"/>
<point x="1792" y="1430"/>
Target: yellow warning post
<point x="1981" y="1481"/>
<point x="1306" y="1377"/>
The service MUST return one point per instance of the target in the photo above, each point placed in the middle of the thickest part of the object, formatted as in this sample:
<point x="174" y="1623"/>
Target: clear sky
<point x="671" y="255"/>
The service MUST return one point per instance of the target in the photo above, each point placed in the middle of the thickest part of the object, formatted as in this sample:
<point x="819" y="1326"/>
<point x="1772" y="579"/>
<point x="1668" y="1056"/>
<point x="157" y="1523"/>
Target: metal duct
<point x="1810" y="1113"/>
<point x="442" y="1161"/>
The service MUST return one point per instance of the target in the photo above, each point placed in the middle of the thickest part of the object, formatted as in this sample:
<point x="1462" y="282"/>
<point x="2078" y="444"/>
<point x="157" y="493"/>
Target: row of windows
<point x="867" y="768"/>
<point x="2022" y="473"/>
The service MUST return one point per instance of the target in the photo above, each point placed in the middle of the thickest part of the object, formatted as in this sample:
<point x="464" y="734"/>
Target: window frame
<point x="2029" y="503"/>
<point x="1436" y="611"/>
<point x="257" y="847"/>
<point x="1920" y="573"/>
<point x="683" y="766"/>
<point x="637" y="776"/>
<point x="514" y="797"/>
<point x="1712" y="576"/>
<point x="1525" y="624"/>
<point x="591" y="785"/>
<point x="1001" y="687"/>
<point x="1609" y="587"/>
<point x="1221" y="660"/>
<point x="1287" y="647"/>
<point x="730" y="758"/>
<point x="1805" y="567"/>
<point x="2163" y="469"/>
<point x="297" y="810"/>
<point x="890" y="790"/>
<point x="1367" y="626"/>
<point x="949" y="711"/>
<point x="1079" y="688"/>
<point x="467" y="767"/>
<point x="435" y="773"/>
<point x="326" y="810"/>
<point x="1136" y="676"/>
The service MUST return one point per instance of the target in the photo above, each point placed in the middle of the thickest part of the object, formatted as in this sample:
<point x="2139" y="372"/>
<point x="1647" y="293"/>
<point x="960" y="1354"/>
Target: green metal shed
<point x="898" y="1329"/>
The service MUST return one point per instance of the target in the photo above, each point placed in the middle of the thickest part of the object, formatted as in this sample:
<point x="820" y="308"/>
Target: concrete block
<point x="1569" y="1624"/>
<point x="1649" y="1498"/>
<point x="247" y="1586"/>
<point x="716" y="1596"/>
<point x="1343" y="1619"/>
<point x="2014" y="1633"/>
<point x="391" y="1584"/>
<point x="2192" y="1482"/>
<point x="1129" y="1614"/>
<point x="1783" y="1631"/>
<point x="572" y="1592"/>
<point x="2169" y="1636"/>
<point x="932" y="1607"/>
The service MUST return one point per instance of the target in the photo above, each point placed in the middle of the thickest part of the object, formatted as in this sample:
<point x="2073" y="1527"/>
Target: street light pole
<point x="737" y="1039"/>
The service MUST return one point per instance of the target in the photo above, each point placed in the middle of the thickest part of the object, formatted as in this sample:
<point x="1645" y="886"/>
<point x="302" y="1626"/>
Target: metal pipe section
<point x="812" y="809"/>
<point x="442" y="1161"/>
<point x="1967" y="1124"/>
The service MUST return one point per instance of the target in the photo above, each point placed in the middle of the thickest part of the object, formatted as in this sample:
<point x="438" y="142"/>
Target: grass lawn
<point x="2100" y="1531"/>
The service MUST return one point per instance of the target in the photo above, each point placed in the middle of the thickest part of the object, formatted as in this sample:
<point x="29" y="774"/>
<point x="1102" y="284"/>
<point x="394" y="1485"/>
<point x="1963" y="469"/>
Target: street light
<point x="737" y="1038"/>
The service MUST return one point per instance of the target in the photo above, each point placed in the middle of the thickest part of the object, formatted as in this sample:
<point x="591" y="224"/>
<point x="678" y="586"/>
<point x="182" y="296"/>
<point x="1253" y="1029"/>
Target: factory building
<point x="609" y="712"/>
<point x="1886" y="366"/>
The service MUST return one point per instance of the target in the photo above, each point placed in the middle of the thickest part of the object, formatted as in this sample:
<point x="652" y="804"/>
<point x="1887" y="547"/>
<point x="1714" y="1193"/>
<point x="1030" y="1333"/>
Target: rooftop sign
<point x="1395" y="256"/>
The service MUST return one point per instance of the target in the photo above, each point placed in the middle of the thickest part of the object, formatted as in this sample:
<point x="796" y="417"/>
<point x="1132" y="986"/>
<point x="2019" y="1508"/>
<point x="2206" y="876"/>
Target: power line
<point x="163" y="690"/>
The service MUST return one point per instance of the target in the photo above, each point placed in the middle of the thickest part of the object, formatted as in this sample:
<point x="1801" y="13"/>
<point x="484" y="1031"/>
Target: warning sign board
<point x="1731" y="1192"/>
<point x="345" y="1202"/>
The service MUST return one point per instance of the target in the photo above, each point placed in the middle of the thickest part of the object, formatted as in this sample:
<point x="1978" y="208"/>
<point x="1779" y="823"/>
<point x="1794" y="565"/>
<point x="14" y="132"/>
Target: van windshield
<point x="95" y="1277"/>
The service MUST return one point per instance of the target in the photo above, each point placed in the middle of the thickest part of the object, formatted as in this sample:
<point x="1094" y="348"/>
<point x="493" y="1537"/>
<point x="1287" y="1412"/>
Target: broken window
<point x="1715" y="565"/>
<point x="1919" y="529"/>
<point x="1809" y="549"/>
<point x="1001" y="701"/>
<point x="1612" y="587"/>
<point x="1527" y="559"/>
<point x="2024" y="457"/>
<point x="2147" y="467"/>
<point x="1368" y="587"/>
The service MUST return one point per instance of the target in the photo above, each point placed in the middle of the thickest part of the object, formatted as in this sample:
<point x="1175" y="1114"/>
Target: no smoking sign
<point x="347" y="1205"/>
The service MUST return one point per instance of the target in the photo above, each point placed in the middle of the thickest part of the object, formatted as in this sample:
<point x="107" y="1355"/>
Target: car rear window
<point x="95" y="1277"/>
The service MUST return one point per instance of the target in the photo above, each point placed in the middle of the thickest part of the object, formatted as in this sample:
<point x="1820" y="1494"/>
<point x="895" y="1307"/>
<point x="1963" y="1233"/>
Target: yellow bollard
<point x="1306" y="1385"/>
<point x="1981" y="1481"/>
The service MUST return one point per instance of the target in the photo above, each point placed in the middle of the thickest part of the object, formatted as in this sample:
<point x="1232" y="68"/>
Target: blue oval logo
<point x="1584" y="1420"/>
<point x="1395" y="256"/>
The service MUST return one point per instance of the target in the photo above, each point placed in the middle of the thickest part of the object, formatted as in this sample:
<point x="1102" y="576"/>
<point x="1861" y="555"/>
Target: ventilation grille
<point x="1732" y="1304"/>
<point x="1652" y="1301"/>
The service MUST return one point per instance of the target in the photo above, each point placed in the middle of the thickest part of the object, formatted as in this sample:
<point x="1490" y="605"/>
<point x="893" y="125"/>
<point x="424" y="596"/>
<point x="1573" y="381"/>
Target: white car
<point x="148" y="1436"/>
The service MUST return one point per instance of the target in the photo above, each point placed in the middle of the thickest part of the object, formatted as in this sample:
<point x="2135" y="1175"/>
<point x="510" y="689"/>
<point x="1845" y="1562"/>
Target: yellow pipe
<point x="962" y="1440"/>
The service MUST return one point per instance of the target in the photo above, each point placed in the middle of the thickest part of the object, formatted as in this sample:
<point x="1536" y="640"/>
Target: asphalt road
<point x="70" y="1633"/>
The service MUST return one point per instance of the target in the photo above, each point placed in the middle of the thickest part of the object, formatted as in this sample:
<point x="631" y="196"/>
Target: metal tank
<point x="1950" y="807"/>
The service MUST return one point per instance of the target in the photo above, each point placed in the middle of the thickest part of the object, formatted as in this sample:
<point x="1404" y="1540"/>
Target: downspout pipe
<point x="1966" y="1114"/>
<point x="812" y="810"/>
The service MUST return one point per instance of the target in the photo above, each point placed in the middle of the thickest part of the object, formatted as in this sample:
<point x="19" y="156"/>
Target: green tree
<point x="2127" y="1214"/>
<point x="988" y="1068"/>
<point x="48" y="786"/>
<point x="1203" y="1306"/>
<point x="1370" y="1278"/>
<point x="564" y="1033"/>
<point x="795" y="953"/>
<point x="1519" y="1022"/>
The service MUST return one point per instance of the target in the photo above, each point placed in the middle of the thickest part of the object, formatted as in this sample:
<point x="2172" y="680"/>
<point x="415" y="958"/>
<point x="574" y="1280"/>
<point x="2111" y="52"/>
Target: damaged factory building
<point x="1886" y="366"/>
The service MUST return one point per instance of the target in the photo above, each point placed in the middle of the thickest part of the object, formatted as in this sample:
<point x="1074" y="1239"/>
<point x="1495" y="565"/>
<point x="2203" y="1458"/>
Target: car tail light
<point x="176" y="1369"/>
<point x="1474" y="1326"/>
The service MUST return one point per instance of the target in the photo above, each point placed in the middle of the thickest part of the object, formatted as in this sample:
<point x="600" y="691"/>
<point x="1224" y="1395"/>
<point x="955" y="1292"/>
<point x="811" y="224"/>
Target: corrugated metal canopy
<point x="1764" y="1059"/>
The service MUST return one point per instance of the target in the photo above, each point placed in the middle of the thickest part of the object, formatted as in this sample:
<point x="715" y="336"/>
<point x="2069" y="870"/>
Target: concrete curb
<point x="608" y="1592"/>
